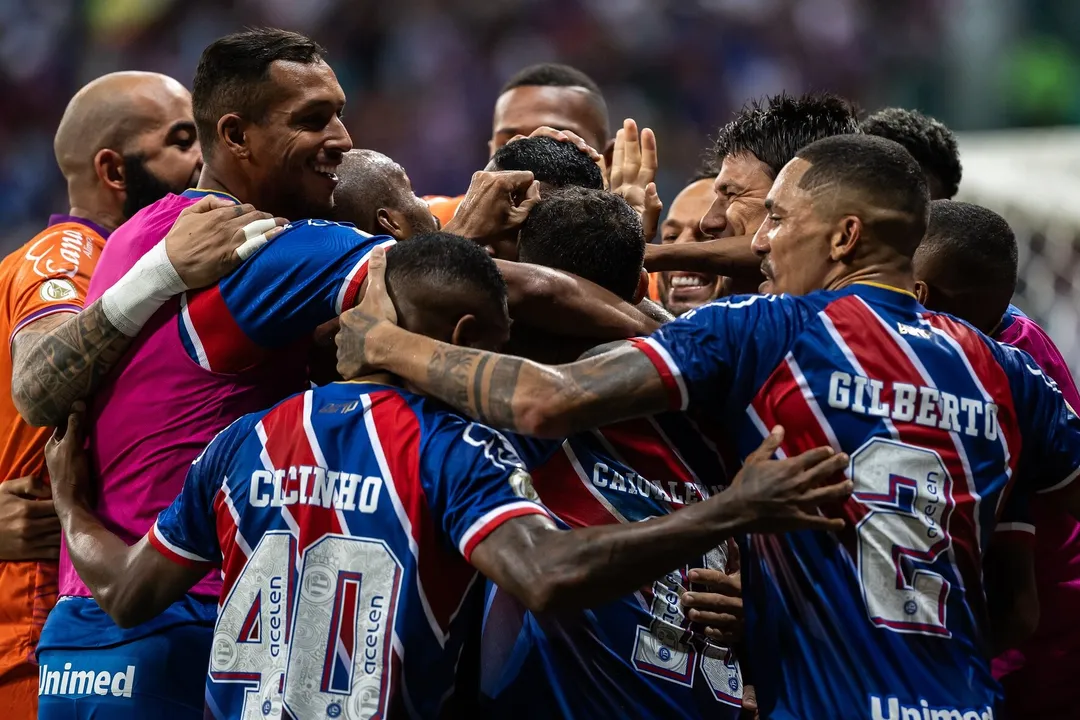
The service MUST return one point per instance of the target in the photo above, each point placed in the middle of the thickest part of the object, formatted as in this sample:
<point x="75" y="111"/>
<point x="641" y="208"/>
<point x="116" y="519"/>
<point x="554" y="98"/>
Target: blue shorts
<point x="90" y="668"/>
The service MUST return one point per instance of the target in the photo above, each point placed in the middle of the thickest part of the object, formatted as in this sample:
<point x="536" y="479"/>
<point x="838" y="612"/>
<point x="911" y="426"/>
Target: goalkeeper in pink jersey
<point x="966" y="266"/>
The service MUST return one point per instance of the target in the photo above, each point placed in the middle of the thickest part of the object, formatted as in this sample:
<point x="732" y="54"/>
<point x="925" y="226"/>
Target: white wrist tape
<point x="255" y="234"/>
<point x="141" y="291"/>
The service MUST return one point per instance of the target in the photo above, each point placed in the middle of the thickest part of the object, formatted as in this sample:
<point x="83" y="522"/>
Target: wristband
<point x="141" y="291"/>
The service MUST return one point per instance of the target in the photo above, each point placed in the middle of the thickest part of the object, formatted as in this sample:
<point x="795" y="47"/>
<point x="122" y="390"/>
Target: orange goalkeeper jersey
<point x="48" y="275"/>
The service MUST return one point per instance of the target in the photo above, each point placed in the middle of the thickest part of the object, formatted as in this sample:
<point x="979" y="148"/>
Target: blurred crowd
<point x="422" y="75"/>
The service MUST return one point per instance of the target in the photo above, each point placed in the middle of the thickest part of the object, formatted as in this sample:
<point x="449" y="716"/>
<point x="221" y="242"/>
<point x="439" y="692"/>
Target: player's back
<point x="890" y="613"/>
<point x="46" y="276"/>
<point x="344" y="517"/>
<point x="206" y="358"/>
<point x="1039" y="680"/>
<point x="638" y="656"/>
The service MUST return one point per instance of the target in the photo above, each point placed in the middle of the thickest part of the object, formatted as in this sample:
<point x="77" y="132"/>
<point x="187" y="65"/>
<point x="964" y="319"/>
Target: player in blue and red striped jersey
<point x="946" y="430"/>
<point x="345" y="520"/>
<point x="638" y="656"/>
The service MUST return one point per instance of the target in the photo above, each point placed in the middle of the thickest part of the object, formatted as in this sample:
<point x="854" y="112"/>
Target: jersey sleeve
<point x="1049" y="427"/>
<point x="53" y="275"/>
<point x="474" y="480"/>
<point x="185" y="532"/>
<point x="307" y="276"/>
<point x="704" y="354"/>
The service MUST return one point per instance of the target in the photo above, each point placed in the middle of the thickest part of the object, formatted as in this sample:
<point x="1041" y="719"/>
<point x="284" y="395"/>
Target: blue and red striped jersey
<point x="942" y="424"/>
<point x="343" y="520"/>
<point x="309" y="274"/>
<point x="638" y="656"/>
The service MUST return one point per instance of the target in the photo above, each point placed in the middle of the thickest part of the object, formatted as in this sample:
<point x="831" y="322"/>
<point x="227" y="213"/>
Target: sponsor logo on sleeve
<point x="497" y="449"/>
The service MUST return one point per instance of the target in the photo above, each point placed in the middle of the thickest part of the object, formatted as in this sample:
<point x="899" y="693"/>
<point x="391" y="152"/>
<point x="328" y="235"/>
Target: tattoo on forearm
<point x="492" y="387"/>
<point x="66" y="364"/>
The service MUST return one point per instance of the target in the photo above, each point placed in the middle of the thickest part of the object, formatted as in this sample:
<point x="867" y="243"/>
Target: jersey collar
<point x="57" y="219"/>
<point x="886" y="294"/>
<point x="199" y="193"/>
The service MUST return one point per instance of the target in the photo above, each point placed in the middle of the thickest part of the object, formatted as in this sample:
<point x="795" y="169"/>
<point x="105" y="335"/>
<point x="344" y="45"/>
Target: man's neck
<point x="901" y="279"/>
<point x="380" y="378"/>
<point x="107" y="220"/>
<point x="210" y="180"/>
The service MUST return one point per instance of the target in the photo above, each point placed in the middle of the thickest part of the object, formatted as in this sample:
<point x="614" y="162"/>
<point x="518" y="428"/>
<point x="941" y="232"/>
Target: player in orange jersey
<point x="551" y="95"/>
<point x="125" y="140"/>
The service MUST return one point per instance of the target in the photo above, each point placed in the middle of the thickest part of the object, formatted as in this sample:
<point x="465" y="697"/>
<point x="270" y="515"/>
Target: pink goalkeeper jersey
<point x="1040" y="676"/>
<point x="205" y="359"/>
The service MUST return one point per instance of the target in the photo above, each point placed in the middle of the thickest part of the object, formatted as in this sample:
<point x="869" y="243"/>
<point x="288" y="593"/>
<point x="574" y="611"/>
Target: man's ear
<point x="466" y="333"/>
<point x="642" y="290"/>
<point x="231" y="132"/>
<point x="109" y="167"/>
<point x="387" y="220"/>
<point x="608" y="153"/>
<point x="846" y="240"/>
<point x="922" y="292"/>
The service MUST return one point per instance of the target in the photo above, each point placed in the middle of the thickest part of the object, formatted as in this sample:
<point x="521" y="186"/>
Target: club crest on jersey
<point x="497" y="449"/>
<point x="57" y="289"/>
<point x="521" y="484"/>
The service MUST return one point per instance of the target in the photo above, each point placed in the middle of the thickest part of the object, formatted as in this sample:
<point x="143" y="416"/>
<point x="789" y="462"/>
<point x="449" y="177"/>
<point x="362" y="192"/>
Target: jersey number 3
<point x="903" y="538"/>
<point x="328" y="656"/>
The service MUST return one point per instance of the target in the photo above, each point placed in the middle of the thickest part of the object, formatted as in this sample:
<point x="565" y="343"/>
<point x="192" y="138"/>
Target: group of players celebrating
<point x="295" y="478"/>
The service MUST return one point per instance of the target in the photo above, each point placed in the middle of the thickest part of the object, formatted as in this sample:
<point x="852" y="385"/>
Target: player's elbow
<point x="551" y="591"/>
<point x="22" y="397"/>
<point x="125" y="609"/>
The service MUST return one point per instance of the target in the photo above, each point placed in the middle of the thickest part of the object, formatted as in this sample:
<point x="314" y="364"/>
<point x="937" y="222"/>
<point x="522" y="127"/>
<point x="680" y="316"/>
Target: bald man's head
<point x="125" y="140"/>
<point x="376" y="196"/>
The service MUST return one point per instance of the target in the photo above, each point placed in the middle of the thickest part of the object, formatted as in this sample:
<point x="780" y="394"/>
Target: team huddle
<point x="327" y="449"/>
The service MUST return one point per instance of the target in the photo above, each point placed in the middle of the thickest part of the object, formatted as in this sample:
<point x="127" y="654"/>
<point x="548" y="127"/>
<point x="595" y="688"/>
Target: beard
<point x="143" y="187"/>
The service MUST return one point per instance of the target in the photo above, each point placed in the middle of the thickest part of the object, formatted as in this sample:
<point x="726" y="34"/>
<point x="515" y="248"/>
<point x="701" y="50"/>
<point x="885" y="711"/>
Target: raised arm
<point x="63" y="358"/>
<point x="131" y="584"/>
<point x="548" y="569"/>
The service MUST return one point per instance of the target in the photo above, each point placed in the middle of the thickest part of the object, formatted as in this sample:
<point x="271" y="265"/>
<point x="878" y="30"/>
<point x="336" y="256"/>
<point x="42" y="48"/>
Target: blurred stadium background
<point x="422" y="77"/>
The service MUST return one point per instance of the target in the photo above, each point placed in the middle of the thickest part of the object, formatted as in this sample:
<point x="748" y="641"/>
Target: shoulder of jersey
<point x="323" y="226"/>
<point x="59" y="252"/>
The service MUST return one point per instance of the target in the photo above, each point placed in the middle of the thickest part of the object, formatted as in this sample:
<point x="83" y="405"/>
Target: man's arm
<point x="63" y="358"/>
<point x="131" y="584"/>
<point x="564" y="304"/>
<point x="60" y="359"/>
<point x="1011" y="594"/>
<point x="731" y="256"/>
<point x="505" y="391"/>
<point x="548" y="569"/>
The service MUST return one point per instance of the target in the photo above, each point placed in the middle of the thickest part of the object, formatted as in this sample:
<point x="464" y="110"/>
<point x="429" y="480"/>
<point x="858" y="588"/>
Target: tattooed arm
<point x="63" y="358"/>
<point x="504" y="391"/>
<point x="60" y="359"/>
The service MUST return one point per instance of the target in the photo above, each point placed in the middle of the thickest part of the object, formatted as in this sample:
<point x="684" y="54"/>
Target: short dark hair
<point x="232" y="75"/>
<point x="552" y="75"/>
<point x="554" y="163"/>
<point x="593" y="234"/>
<point x="441" y="259"/>
<point x="976" y="239"/>
<point x="880" y="171"/>
<point x="707" y="170"/>
<point x="929" y="140"/>
<point x="775" y="129"/>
